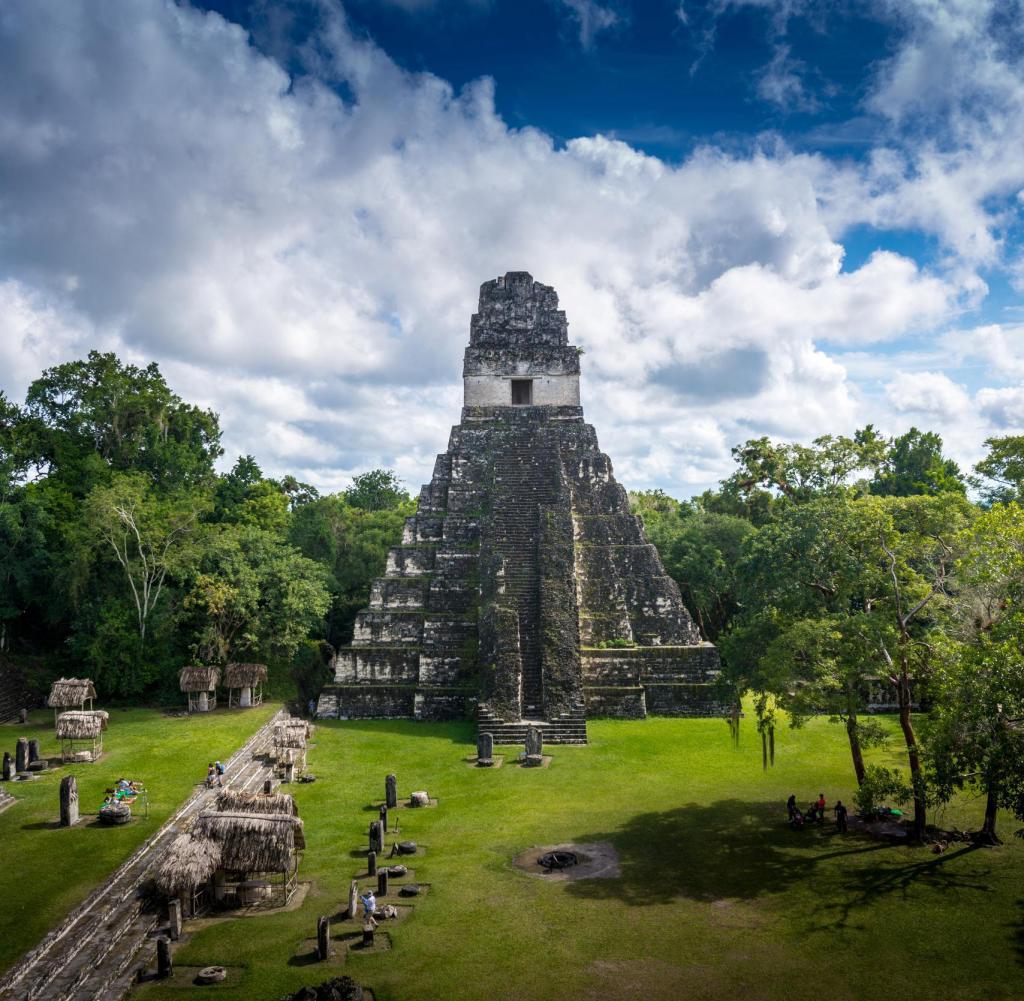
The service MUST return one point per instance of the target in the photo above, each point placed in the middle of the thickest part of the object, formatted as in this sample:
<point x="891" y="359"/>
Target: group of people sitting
<point x="815" y="813"/>
<point x="125" y="790"/>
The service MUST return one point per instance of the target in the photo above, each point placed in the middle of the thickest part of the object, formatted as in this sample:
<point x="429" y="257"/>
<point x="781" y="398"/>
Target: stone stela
<point x="68" y="801"/>
<point x="485" y="750"/>
<point x="524" y="591"/>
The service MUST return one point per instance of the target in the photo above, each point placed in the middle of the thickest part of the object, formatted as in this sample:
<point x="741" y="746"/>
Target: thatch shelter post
<point x="71" y="693"/>
<point x="244" y="683"/>
<point x="199" y="683"/>
<point x="246" y="852"/>
<point x="81" y="734"/>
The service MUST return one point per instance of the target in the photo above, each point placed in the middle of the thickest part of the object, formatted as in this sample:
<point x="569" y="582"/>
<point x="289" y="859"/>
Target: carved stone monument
<point x="33" y="750"/>
<point x="384" y="818"/>
<point x="523" y="558"/>
<point x="391" y="792"/>
<point x="419" y="798"/>
<point x="8" y="768"/>
<point x="323" y="938"/>
<point x="382" y="882"/>
<point x="485" y="750"/>
<point x="376" y="837"/>
<point x="534" y="747"/>
<point x="68" y="801"/>
<point x="353" y="900"/>
<point x="371" y="864"/>
<point x="21" y="755"/>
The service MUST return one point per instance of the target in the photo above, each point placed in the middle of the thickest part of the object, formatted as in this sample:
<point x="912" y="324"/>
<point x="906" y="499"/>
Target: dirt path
<point x="95" y="953"/>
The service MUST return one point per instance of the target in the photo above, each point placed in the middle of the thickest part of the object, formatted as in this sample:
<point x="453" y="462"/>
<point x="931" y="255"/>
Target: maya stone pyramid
<point x="524" y="591"/>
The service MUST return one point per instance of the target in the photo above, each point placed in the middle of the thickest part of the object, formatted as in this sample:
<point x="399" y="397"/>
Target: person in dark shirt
<point x="791" y="806"/>
<point x="840" y="816"/>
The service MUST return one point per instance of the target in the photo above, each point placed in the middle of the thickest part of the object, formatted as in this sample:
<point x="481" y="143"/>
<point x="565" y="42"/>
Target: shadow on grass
<point x="740" y="850"/>
<point x="858" y="889"/>
<point x="1018" y="932"/>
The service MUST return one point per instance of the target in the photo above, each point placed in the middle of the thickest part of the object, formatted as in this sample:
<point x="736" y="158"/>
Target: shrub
<point x="881" y="784"/>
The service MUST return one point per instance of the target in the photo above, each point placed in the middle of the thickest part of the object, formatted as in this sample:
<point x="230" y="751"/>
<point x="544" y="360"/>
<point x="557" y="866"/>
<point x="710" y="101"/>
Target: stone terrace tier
<point x="524" y="588"/>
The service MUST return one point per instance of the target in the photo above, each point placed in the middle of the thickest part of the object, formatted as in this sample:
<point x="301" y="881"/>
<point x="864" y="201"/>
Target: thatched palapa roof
<point x="81" y="725"/>
<point x="244" y="675"/>
<point x="68" y="692"/>
<point x="189" y="861"/>
<point x="237" y="801"/>
<point x="291" y="733"/>
<point x="199" y="679"/>
<point x="253" y="842"/>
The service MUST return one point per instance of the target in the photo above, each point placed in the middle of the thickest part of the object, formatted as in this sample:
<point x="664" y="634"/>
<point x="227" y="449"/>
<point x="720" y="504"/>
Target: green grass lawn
<point x="718" y="898"/>
<point x="47" y="870"/>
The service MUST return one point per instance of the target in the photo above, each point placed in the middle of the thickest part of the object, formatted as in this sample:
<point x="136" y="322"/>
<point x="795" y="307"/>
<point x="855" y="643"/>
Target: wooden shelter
<point x="242" y="856"/>
<point x="247" y="680"/>
<point x="290" y="736"/>
<point x="200" y="684"/>
<point x="70" y="693"/>
<point x="81" y="734"/>
<point x="239" y="801"/>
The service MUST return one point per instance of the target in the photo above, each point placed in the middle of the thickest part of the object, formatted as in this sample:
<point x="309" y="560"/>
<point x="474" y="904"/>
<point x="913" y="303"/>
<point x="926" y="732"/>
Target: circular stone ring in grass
<point x="595" y="860"/>
<point x="211" y="975"/>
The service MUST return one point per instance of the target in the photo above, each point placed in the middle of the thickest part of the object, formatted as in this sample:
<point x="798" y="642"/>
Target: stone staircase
<point x="569" y="728"/>
<point x="522" y="482"/>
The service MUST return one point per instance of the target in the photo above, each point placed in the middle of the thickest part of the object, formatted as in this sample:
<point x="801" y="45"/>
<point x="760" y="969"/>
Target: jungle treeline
<point x="125" y="555"/>
<point x="830" y="575"/>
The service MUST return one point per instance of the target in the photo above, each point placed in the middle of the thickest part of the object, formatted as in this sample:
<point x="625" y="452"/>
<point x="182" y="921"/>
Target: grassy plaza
<point x="718" y="898"/>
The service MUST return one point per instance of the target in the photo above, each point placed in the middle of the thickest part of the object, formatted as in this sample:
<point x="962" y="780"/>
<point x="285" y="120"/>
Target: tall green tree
<point x="1001" y="473"/>
<point x="99" y="415"/>
<point x="149" y="535"/>
<point x="976" y="727"/>
<point x="918" y="545"/>
<point x="800" y="472"/>
<point x="376" y="490"/>
<point x="915" y="465"/>
<point x="810" y="582"/>
<point x="254" y="596"/>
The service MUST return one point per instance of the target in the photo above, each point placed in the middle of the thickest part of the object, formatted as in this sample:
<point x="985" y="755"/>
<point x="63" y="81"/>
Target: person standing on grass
<point x="840" y="816"/>
<point x="791" y="806"/>
<point x="821" y="807"/>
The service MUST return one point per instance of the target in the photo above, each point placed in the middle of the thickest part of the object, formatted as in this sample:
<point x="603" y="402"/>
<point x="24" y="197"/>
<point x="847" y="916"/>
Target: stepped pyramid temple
<point x="524" y="590"/>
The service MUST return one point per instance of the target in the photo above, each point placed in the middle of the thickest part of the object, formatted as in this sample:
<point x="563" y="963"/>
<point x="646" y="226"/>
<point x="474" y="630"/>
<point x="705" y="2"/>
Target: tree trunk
<point x="913" y="755"/>
<point x="988" y="829"/>
<point x="855" y="750"/>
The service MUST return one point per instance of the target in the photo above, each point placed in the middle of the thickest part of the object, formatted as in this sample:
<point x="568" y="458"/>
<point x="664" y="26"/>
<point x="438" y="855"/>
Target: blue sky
<point x="782" y="217"/>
